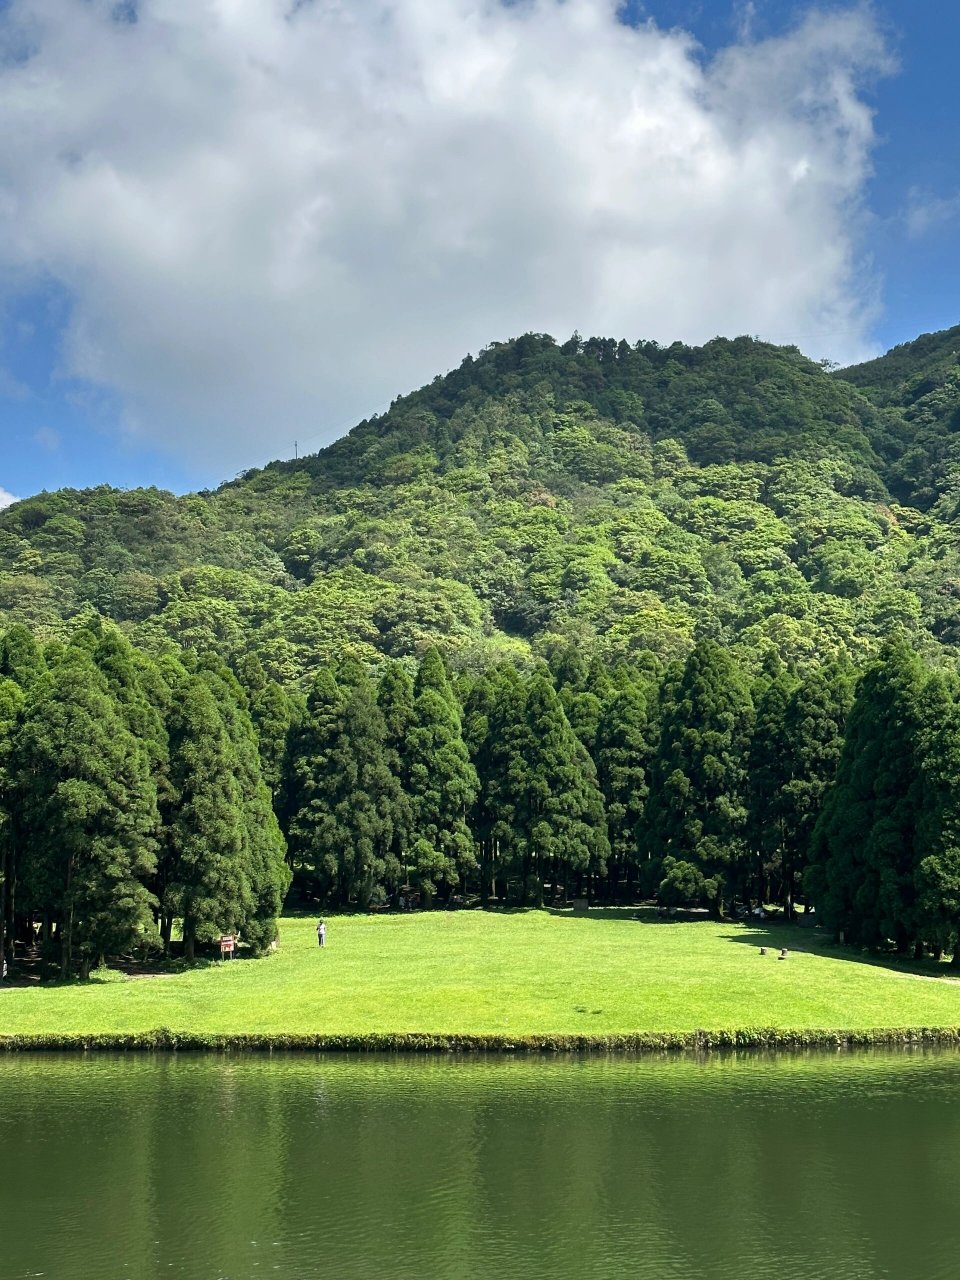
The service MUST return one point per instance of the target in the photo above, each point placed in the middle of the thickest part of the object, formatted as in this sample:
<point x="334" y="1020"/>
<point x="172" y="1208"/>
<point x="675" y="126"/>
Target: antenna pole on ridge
<point x="295" y="453"/>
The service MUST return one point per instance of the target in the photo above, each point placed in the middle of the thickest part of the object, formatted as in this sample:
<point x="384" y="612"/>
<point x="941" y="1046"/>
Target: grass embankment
<point x="474" y="980"/>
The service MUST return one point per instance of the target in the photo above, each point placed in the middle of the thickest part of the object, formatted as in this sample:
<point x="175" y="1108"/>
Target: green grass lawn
<point x="523" y="973"/>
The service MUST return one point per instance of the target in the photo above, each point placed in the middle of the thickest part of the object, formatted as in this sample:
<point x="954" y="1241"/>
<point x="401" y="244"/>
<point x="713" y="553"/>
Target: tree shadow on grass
<point x="813" y="941"/>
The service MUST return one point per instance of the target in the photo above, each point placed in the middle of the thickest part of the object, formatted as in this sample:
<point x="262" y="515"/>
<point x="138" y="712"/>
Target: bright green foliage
<point x="600" y="495"/>
<point x="696" y="811"/>
<point x="441" y="781"/>
<point x="20" y="657"/>
<point x="87" y="812"/>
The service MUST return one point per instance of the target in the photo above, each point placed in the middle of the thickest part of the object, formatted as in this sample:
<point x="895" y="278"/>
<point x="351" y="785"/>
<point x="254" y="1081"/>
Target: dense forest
<point x="137" y="793"/>
<point x="586" y="619"/>
<point x="594" y="493"/>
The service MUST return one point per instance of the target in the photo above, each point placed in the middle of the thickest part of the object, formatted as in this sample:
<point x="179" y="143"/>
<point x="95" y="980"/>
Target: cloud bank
<point x="6" y="499"/>
<point x="272" y="217"/>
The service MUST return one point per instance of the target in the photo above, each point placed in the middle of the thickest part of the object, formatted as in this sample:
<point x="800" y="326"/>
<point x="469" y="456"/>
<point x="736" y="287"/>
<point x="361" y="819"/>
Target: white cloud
<point x="272" y="217"/>
<point x="6" y="499"/>
<point x="926" y="212"/>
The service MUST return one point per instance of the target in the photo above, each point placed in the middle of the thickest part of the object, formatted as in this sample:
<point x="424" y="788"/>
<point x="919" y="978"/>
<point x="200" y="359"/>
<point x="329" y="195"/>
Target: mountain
<point x="620" y="498"/>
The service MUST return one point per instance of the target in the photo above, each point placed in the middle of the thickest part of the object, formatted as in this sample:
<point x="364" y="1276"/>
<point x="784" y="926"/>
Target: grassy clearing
<point x="526" y="974"/>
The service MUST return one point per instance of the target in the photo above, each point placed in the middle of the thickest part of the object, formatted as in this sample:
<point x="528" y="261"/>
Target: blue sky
<point x="200" y="267"/>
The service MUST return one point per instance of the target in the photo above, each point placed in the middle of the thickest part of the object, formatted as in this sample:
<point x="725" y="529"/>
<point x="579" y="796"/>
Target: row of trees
<point x="132" y="796"/>
<point x="694" y="784"/>
<point x="138" y="792"/>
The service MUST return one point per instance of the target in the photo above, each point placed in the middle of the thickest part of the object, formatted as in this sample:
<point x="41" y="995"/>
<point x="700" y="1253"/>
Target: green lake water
<point x="751" y="1168"/>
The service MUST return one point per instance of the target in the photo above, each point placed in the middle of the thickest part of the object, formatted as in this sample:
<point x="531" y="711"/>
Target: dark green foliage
<point x="86" y="812"/>
<point x="623" y="753"/>
<point x="866" y="848"/>
<point x="696" y="811"/>
<point x="343" y="798"/>
<point x="441" y="782"/>
<point x="207" y="882"/>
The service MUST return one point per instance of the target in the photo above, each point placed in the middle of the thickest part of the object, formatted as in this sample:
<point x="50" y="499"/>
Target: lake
<point x="754" y="1168"/>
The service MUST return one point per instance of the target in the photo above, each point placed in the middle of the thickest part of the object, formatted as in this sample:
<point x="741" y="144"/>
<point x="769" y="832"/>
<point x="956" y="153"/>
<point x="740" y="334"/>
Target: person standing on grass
<point x="321" y="933"/>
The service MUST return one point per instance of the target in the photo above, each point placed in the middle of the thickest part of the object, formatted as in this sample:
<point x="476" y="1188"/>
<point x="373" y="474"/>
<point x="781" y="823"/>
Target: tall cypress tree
<point x="87" y="811"/>
<point x="395" y="700"/>
<point x="696" y="811"/>
<point x="207" y="884"/>
<point x="494" y="728"/>
<point x="814" y="726"/>
<point x="938" y="826"/>
<point x="623" y="756"/>
<point x="11" y="704"/>
<point x="865" y="849"/>
<point x="263" y="852"/>
<point x="342" y="796"/>
<point x="558" y="804"/>
<point x="442" y="783"/>
<point x="768" y="776"/>
<point x="271" y="711"/>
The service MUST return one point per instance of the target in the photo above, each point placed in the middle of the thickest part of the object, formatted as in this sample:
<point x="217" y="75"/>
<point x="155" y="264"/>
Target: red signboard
<point x="227" y="943"/>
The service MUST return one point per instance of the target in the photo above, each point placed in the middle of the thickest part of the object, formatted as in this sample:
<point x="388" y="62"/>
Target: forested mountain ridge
<point x="619" y="497"/>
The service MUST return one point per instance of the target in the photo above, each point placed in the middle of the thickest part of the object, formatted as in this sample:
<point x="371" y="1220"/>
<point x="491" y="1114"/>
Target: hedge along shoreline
<point x="701" y="1041"/>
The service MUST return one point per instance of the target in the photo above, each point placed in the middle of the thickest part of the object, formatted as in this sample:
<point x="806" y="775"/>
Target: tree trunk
<point x="189" y="941"/>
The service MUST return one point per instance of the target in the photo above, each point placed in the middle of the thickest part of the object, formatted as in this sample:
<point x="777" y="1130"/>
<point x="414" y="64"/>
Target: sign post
<point x="227" y="944"/>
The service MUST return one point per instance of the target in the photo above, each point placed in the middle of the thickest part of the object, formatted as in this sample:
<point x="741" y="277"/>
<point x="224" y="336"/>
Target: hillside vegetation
<point x="620" y="498"/>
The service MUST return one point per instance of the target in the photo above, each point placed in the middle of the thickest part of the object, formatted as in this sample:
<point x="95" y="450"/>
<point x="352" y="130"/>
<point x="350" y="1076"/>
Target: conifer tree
<point x="344" y="796"/>
<point x="207" y="884"/>
<point x="814" y="725"/>
<point x="395" y="700"/>
<point x="494" y="729"/>
<point x="442" y="783"/>
<point x="556" y="799"/>
<point x="768" y="776"/>
<point x="623" y="755"/>
<point x="263" y="850"/>
<point x="87" y="812"/>
<point x="11" y="704"/>
<point x="865" y="850"/>
<point x="696" y="811"/>
<point x="938" y="826"/>
<point x="271" y="711"/>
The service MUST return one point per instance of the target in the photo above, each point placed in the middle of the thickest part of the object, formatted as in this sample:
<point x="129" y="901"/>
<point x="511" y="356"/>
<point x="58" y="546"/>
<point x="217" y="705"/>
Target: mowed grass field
<point x="522" y="973"/>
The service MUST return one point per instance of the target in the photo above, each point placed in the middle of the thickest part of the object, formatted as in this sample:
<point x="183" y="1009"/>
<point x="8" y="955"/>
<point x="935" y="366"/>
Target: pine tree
<point x="865" y="850"/>
<point x="623" y="756"/>
<point x="395" y="700"/>
<point x="271" y="711"/>
<point x="768" y="776"/>
<point x="696" y="811"/>
<point x="263" y="850"/>
<point x="342" y="795"/>
<point x="814" y="725"/>
<point x="494" y="728"/>
<point x="442" y="783"/>
<point x="206" y="884"/>
<point x="11" y="705"/>
<point x="938" y="826"/>
<point x="558" y="804"/>
<point x="87" y="812"/>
